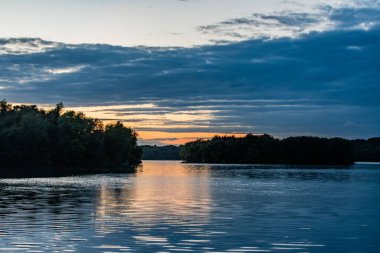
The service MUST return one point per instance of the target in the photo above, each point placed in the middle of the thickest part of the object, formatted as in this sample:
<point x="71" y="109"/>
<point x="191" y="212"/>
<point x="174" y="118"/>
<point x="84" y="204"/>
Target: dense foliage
<point x="367" y="150"/>
<point x="169" y="152"/>
<point x="264" y="149"/>
<point x="33" y="137"/>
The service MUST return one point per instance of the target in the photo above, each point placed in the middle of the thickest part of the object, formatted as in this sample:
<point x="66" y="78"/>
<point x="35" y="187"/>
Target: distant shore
<point x="39" y="143"/>
<point x="264" y="149"/>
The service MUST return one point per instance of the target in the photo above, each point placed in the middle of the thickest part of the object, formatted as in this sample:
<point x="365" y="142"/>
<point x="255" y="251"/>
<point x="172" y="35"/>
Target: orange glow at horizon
<point x="180" y="138"/>
<point x="110" y="113"/>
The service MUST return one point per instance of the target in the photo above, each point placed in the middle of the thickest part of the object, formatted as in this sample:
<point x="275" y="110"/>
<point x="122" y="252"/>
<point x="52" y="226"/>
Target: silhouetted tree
<point x="120" y="144"/>
<point x="31" y="137"/>
<point x="169" y="152"/>
<point x="367" y="150"/>
<point x="265" y="149"/>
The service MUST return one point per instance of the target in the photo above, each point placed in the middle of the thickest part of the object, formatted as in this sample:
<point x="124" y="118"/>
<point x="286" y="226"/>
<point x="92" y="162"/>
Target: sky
<point x="177" y="70"/>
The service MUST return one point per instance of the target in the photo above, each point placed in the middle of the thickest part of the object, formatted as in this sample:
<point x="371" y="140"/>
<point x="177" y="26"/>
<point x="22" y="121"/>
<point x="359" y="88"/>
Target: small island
<point x="265" y="149"/>
<point x="38" y="142"/>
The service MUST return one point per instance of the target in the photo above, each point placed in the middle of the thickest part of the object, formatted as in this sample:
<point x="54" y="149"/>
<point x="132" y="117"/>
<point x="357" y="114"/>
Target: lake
<point x="174" y="207"/>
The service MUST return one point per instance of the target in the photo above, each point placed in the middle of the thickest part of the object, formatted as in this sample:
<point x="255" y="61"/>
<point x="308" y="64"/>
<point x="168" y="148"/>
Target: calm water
<point x="172" y="207"/>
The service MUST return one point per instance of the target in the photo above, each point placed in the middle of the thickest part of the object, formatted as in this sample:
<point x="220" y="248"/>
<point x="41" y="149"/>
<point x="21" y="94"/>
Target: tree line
<point x="367" y="150"/>
<point x="265" y="149"/>
<point x="33" y="137"/>
<point x="363" y="150"/>
<point x="168" y="152"/>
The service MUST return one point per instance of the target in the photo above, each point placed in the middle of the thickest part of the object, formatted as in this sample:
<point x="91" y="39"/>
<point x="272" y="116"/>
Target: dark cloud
<point x="265" y="26"/>
<point x="292" y="24"/>
<point x="321" y="83"/>
<point x="348" y="18"/>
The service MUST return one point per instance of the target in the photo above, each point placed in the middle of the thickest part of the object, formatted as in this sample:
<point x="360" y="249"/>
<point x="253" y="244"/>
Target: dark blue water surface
<point x="174" y="207"/>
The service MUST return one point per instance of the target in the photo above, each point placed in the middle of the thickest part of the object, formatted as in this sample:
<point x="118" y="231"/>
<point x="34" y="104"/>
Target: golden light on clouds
<point x="147" y="118"/>
<point x="150" y="117"/>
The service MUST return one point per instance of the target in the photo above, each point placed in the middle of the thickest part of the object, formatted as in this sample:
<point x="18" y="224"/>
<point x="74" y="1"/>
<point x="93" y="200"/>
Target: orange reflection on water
<point x="160" y="193"/>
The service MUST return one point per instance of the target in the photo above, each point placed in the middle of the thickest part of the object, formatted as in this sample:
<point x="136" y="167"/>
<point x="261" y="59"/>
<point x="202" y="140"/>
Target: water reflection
<point x="168" y="207"/>
<point x="35" y="218"/>
<point x="161" y="198"/>
<point x="169" y="192"/>
<point x="276" y="172"/>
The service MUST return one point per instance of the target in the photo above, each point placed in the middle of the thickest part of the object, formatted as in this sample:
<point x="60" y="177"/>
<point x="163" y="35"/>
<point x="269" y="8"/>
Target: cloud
<point x="66" y="70"/>
<point x="263" y="26"/>
<point x="320" y="83"/>
<point x="22" y="46"/>
<point x="356" y="18"/>
<point x="358" y="15"/>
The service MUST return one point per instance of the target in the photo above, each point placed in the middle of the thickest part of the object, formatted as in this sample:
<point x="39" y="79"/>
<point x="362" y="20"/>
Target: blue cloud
<point x="363" y="15"/>
<point x="323" y="83"/>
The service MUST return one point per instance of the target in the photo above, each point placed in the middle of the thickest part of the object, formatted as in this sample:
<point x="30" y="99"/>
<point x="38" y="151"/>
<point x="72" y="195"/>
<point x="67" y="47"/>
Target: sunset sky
<point x="177" y="70"/>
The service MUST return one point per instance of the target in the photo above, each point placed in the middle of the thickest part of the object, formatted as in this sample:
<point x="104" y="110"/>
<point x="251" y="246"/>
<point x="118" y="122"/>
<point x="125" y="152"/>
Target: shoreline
<point x="49" y="172"/>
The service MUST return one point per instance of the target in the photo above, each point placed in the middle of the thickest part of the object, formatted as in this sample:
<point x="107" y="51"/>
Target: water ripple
<point x="174" y="207"/>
